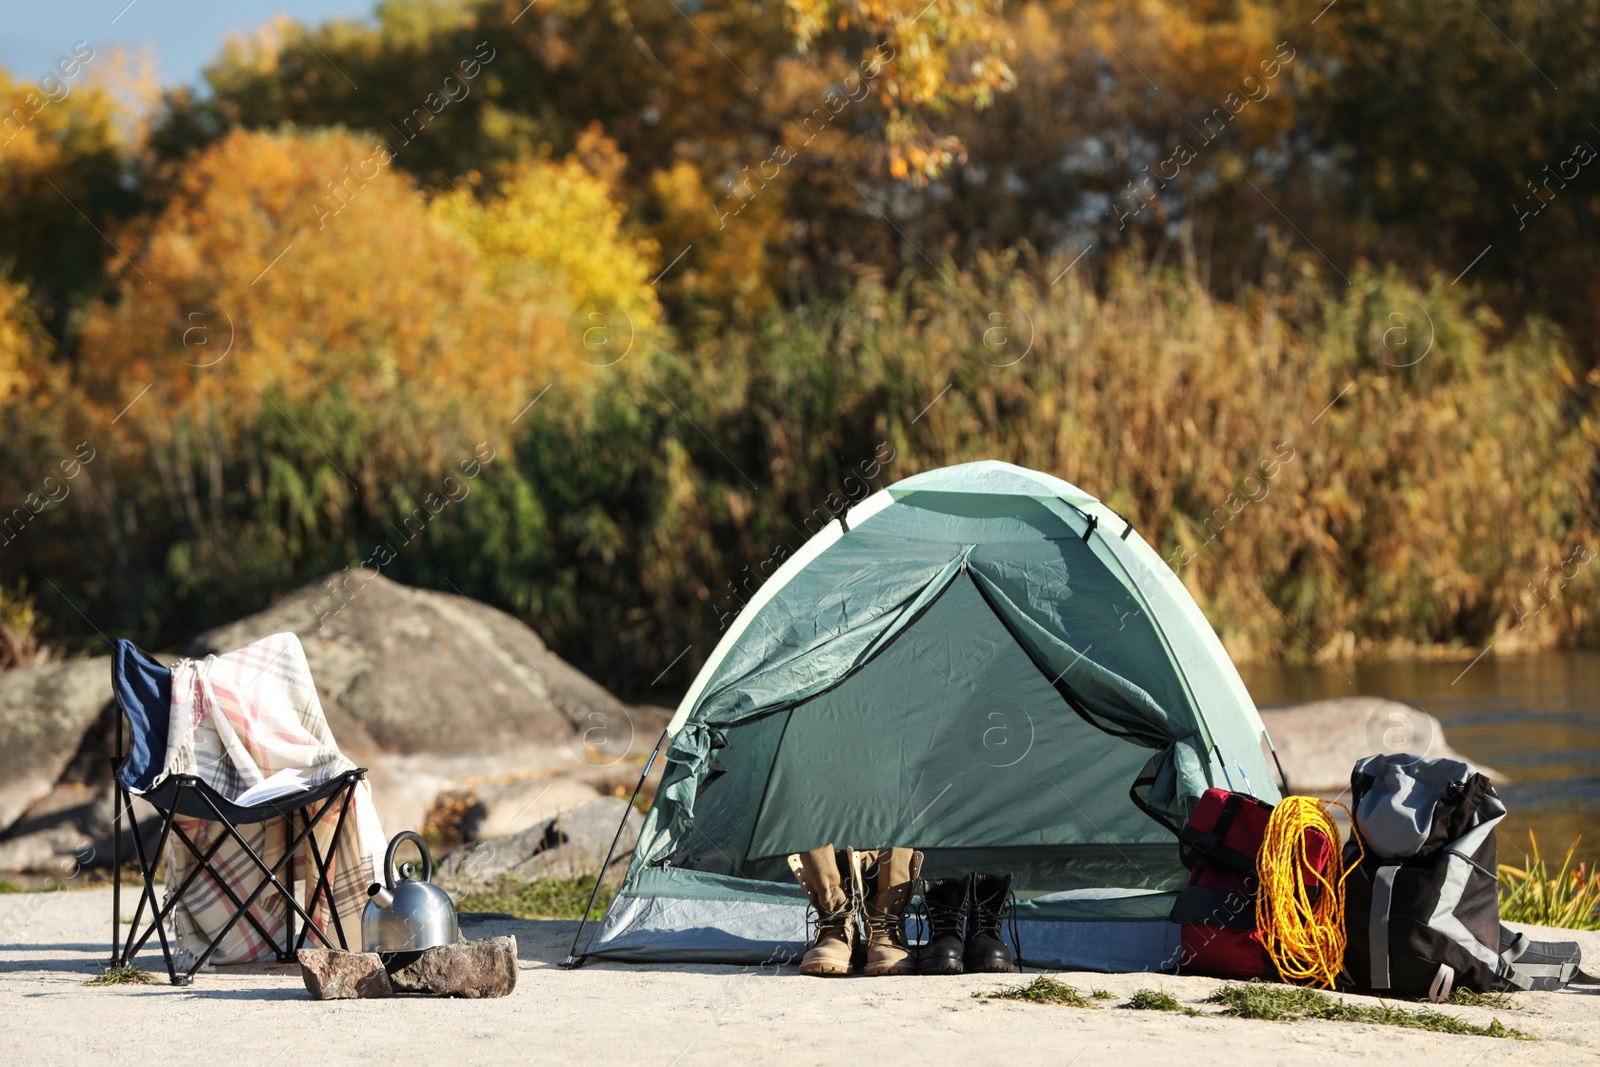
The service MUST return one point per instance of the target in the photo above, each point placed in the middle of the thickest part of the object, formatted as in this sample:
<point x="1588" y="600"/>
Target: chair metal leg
<point x="116" y="857"/>
<point x="204" y="867"/>
<point x="287" y="952"/>
<point x="271" y="879"/>
<point x="323" y="867"/>
<point x="307" y="835"/>
<point x="314" y="883"/>
<point x="147" y="870"/>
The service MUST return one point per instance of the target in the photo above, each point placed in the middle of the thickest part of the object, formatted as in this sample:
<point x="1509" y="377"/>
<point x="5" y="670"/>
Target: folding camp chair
<point x="143" y="690"/>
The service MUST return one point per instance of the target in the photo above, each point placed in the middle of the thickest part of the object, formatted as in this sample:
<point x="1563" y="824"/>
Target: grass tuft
<point x="1102" y="994"/>
<point x="1156" y="1000"/>
<point x="1042" y="990"/>
<point x="1275" y="1003"/>
<point x="542" y="898"/>
<point x="1467" y="998"/>
<point x="122" y="974"/>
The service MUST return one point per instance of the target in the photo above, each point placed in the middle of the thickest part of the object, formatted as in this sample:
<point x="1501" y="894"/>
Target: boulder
<point x="472" y="969"/>
<point x="412" y="671"/>
<point x="70" y="829"/>
<point x="572" y="843"/>
<point x="503" y="808"/>
<point x="44" y="714"/>
<point x="1319" y="742"/>
<point x="333" y="975"/>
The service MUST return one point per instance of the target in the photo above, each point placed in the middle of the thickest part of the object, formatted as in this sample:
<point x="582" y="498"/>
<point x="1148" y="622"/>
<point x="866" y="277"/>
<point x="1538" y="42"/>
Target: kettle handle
<point x="400" y="838"/>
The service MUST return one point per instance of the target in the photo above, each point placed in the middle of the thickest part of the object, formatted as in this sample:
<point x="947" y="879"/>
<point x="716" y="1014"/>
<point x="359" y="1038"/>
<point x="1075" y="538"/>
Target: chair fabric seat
<point x="192" y="793"/>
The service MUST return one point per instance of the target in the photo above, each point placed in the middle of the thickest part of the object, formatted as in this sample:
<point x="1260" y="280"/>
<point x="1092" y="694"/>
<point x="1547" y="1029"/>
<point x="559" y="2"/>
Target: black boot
<point x="986" y="949"/>
<point x="946" y="902"/>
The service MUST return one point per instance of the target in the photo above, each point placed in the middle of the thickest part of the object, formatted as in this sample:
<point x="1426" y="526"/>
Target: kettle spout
<point x="380" y="894"/>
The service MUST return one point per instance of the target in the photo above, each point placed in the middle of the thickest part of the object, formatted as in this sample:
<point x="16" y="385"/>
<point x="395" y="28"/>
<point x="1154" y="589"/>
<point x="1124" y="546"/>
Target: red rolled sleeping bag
<point x="1217" y="909"/>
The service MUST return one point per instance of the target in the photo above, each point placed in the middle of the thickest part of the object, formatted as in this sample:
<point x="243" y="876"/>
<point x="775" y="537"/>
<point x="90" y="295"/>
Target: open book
<point x="287" y="781"/>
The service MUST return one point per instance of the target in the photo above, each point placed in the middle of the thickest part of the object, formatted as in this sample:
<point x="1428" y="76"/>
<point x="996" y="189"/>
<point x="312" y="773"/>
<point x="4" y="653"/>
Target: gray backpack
<point x="1422" y="909"/>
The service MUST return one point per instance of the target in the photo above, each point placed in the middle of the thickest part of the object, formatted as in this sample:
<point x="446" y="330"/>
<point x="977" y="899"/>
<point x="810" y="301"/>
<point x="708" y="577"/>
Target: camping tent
<point x="983" y="662"/>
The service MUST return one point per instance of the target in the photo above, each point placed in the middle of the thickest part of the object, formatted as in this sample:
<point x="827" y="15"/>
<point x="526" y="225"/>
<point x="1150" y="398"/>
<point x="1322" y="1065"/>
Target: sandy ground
<point x="613" y="1013"/>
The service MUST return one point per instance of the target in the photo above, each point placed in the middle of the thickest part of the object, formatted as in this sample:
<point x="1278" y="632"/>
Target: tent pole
<point x="573" y="959"/>
<point x="1282" y="775"/>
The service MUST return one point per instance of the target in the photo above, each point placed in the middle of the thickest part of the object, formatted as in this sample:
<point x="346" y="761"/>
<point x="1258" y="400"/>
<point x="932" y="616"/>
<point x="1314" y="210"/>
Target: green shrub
<point x="541" y="898"/>
<point x="1569" y="897"/>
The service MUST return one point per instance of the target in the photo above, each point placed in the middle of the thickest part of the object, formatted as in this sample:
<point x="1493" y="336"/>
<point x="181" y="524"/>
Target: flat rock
<point x="44" y="714"/>
<point x="415" y="671"/>
<point x="473" y="969"/>
<point x="1320" y="742"/>
<point x="333" y="975"/>
<point x="571" y="843"/>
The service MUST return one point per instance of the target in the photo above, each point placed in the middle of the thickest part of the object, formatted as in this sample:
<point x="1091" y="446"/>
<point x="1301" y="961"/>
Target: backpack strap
<point x="1194" y="843"/>
<point x="1443" y="979"/>
<point x="1378" y="928"/>
<point x="1506" y="973"/>
<point x="1545" y="970"/>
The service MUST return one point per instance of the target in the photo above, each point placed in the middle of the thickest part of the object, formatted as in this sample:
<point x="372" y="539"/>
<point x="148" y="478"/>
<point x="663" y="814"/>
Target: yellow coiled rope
<point x="1302" y="923"/>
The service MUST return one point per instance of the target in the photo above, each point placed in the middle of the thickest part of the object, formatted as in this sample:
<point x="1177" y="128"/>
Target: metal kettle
<point x="407" y="913"/>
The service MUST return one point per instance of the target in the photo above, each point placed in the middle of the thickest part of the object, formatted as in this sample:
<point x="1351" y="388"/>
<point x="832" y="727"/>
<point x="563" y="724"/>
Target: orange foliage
<point x="293" y="266"/>
<point x="933" y="56"/>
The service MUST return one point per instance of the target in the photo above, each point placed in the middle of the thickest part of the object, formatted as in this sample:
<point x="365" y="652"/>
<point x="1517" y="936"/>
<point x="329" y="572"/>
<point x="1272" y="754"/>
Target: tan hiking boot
<point x="825" y="874"/>
<point x="887" y="878"/>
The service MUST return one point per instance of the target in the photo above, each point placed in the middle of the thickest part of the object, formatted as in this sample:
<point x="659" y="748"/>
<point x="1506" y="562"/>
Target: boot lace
<point x="1016" y="933"/>
<point x="994" y="924"/>
<point x="818" y="920"/>
<point x="944" y="922"/>
<point x="886" y="926"/>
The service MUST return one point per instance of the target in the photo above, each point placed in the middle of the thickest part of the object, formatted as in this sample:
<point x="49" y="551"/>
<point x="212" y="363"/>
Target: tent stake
<point x="573" y="959"/>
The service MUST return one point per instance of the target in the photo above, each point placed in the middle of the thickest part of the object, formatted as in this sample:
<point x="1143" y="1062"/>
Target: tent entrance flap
<point x="950" y="739"/>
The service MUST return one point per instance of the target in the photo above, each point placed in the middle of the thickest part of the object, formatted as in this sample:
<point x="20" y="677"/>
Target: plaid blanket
<point x="236" y="720"/>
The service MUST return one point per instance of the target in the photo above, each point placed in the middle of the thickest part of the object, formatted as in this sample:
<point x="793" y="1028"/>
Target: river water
<point x="1536" y="719"/>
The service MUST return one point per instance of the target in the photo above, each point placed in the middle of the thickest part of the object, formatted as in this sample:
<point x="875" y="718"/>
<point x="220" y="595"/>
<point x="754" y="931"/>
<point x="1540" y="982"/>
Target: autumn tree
<point x="302" y="348"/>
<point x="934" y="57"/>
<point x="1467" y="129"/>
<point x="65" y="165"/>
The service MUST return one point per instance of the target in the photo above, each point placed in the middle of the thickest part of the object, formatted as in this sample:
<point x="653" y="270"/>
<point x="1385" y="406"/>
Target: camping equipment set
<point x="861" y="898"/>
<point x="984" y="660"/>
<point x="1411" y="908"/>
<point x="255" y="797"/>
<point x="991" y="662"/>
<point x="404" y="912"/>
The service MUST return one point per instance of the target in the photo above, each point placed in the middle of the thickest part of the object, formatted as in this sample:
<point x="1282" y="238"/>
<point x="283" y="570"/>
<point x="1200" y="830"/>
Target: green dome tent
<point x="983" y="662"/>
